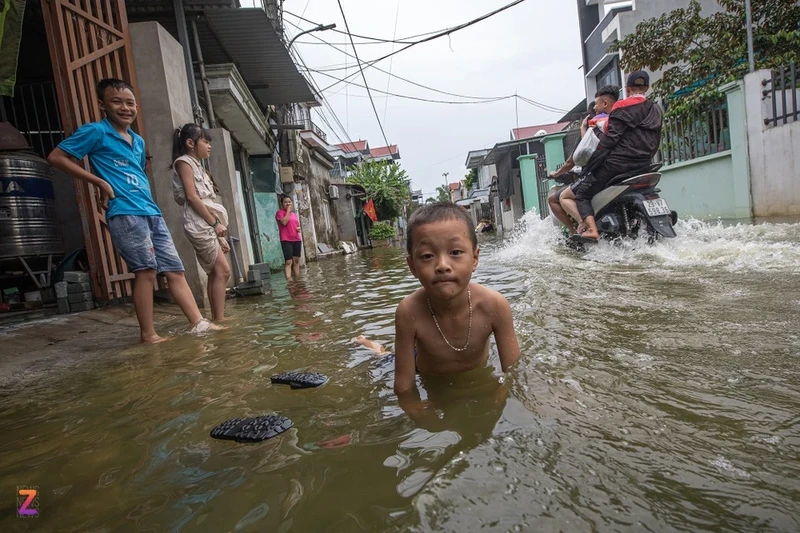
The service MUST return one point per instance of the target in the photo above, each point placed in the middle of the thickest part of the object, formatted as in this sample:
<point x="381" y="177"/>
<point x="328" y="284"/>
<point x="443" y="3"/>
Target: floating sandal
<point x="252" y="429"/>
<point x="578" y="238"/>
<point x="300" y="380"/>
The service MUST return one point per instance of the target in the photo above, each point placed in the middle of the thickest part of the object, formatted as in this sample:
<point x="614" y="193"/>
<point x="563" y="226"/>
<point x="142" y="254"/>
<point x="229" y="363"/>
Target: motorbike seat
<point x="622" y="177"/>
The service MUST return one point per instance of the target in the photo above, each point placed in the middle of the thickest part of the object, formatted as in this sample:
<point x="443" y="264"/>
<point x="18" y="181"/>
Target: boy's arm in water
<point x="404" y="363"/>
<point x="405" y="367"/>
<point x="504" y="335"/>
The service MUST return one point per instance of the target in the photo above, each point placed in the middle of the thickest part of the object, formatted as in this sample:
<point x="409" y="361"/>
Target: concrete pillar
<point x="530" y="191"/>
<point x="222" y="168"/>
<point x="165" y="105"/>
<point x="554" y="151"/>
<point x="739" y="149"/>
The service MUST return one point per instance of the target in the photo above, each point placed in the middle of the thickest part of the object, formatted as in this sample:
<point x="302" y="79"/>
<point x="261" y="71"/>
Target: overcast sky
<point x="532" y="49"/>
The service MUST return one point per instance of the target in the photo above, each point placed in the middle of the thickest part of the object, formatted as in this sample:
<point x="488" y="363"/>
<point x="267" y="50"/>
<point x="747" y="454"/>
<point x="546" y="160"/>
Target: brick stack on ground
<point x="74" y="293"/>
<point x="257" y="283"/>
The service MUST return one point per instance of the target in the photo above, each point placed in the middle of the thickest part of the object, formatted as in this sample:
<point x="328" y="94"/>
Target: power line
<point x="391" y="61"/>
<point x="435" y="36"/>
<point x="376" y="40"/>
<point x="418" y="98"/>
<point x="322" y="41"/>
<point x="325" y="104"/>
<point x="361" y="69"/>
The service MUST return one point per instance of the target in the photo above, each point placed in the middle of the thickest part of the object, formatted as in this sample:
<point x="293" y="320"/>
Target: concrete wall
<point x="701" y="188"/>
<point x="164" y="105"/>
<point x="718" y="185"/>
<point x="485" y="175"/>
<point x="315" y="169"/>
<point x="222" y="166"/>
<point x="774" y="154"/>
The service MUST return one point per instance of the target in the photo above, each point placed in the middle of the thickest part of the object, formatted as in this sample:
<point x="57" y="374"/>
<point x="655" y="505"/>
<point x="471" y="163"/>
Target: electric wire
<point x="432" y="37"/>
<point x="361" y="69"/>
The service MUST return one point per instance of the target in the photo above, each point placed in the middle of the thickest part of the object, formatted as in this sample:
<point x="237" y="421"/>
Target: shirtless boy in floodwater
<point x="443" y="328"/>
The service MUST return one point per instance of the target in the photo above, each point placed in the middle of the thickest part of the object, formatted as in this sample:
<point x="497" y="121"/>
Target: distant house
<point x="457" y="191"/>
<point x="385" y="153"/>
<point x="521" y="166"/>
<point x="346" y="155"/>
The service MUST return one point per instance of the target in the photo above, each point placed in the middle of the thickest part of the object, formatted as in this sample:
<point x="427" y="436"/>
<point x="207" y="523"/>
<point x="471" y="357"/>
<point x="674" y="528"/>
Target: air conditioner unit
<point x="333" y="192"/>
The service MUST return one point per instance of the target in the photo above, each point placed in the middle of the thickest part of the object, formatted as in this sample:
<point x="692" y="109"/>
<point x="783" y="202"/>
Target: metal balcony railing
<point x="310" y="126"/>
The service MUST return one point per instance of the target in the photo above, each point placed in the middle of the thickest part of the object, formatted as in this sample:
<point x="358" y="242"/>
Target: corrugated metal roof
<point x="248" y="38"/>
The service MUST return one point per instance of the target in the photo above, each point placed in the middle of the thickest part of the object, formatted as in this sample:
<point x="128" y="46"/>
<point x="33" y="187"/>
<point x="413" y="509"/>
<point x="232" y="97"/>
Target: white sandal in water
<point x="202" y="326"/>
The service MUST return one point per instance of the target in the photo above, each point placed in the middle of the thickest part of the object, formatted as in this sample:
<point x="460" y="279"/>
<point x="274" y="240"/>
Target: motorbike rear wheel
<point x="643" y="229"/>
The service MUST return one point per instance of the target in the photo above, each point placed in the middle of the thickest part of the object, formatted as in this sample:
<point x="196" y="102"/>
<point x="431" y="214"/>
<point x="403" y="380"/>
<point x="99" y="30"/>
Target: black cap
<point x="639" y="78"/>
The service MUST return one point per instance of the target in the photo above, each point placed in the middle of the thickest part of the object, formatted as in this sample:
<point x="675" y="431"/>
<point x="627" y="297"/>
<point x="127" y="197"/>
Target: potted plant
<point x="381" y="234"/>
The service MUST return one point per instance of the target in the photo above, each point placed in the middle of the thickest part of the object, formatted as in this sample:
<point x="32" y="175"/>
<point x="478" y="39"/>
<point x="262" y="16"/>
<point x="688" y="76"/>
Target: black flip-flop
<point x="578" y="238"/>
<point x="300" y="380"/>
<point x="252" y="429"/>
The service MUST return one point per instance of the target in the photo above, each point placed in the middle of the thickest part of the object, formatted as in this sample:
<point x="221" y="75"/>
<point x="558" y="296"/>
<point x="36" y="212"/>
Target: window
<point x="609" y="75"/>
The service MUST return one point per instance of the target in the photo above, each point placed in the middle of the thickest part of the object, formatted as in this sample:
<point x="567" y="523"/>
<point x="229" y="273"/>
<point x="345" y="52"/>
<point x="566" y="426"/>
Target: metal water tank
<point x="28" y="222"/>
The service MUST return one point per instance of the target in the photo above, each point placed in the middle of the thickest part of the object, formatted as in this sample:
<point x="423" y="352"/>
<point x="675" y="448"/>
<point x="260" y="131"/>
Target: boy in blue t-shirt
<point x="138" y="231"/>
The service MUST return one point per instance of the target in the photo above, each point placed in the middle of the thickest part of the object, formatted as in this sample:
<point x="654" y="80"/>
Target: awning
<point x="246" y="37"/>
<point x="242" y="36"/>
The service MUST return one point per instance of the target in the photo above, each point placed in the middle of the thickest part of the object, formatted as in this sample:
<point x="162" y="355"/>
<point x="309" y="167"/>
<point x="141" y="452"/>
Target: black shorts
<point x="291" y="249"/>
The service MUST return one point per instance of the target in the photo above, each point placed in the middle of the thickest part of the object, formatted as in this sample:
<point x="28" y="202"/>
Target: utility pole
<point x="749" y="16"/>
<point x="516" y="108"/>
<point x="447" y="185"/>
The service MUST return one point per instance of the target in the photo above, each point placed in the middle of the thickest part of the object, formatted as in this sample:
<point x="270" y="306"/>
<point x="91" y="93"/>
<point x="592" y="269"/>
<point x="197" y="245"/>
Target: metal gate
<point x="89" y="41"/>
<point x="541" y="186"/>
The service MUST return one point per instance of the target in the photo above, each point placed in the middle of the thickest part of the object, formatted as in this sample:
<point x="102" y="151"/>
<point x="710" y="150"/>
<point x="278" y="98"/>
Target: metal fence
<point x="782" y="90"/>
<point x="696" y="134"/>
<point x="34" y="112"/>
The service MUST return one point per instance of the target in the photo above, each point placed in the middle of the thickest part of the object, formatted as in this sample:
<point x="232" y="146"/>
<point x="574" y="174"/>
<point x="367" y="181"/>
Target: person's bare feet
<point x="155" y="339"/>
<point x="582" y="227"/>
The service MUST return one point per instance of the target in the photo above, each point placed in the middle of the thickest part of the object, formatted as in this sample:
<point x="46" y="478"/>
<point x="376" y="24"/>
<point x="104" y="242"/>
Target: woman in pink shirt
<point x="291" y="241"/>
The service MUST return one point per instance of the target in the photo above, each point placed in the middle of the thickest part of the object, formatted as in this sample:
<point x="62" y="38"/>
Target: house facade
<point x="604" y="21"/>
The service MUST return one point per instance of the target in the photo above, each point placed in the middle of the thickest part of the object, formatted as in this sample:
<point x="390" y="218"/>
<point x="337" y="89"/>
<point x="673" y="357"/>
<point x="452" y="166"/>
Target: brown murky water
<point x="659" y="390"/>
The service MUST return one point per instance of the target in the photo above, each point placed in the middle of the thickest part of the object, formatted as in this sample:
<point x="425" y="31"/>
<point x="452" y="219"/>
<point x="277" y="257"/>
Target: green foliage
<point x="471" y="179"/>
<point x="701" y="54"/>
<point x="442" y="194"/>
<point x="381" y="230"/>
<point x="386" y="183"/>
<point x="431" y="200"/>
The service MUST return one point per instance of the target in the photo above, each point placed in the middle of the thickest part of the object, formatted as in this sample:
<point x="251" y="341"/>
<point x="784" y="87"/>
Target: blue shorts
<point x="144" y="242"/>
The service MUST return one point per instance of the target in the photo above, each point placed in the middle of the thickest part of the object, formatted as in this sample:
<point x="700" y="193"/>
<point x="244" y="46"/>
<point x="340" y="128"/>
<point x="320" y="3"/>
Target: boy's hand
<point x="106" y="194"/>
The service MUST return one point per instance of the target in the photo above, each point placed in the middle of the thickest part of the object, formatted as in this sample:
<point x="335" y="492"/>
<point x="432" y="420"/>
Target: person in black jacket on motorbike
<point x="629" y="143"/>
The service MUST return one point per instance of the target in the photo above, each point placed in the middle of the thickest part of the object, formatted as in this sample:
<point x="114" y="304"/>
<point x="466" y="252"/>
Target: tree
<point x="386" y="183"/>
<point x="471" y="179"/>
<point x="704" y="53"/>
<point x="442" y="194"/>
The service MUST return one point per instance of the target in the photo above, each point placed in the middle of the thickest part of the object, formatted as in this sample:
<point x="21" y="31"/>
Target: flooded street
<point x="658" y="390"/>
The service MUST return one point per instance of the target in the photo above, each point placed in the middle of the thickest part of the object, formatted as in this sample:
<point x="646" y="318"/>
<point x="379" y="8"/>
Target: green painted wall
<point x="527" y="173"/>
<point x="718" y="185"/>
<point x="702" y="188"/>
<point x="266" y="207"/>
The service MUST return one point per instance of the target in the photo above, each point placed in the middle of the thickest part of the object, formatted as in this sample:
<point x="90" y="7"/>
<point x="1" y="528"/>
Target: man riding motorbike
<point x="631" y="139"/>
<point x="605" y="99"/>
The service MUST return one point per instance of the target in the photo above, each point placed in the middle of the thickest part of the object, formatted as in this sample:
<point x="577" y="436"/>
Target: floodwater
<point x="658" y="390"/>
